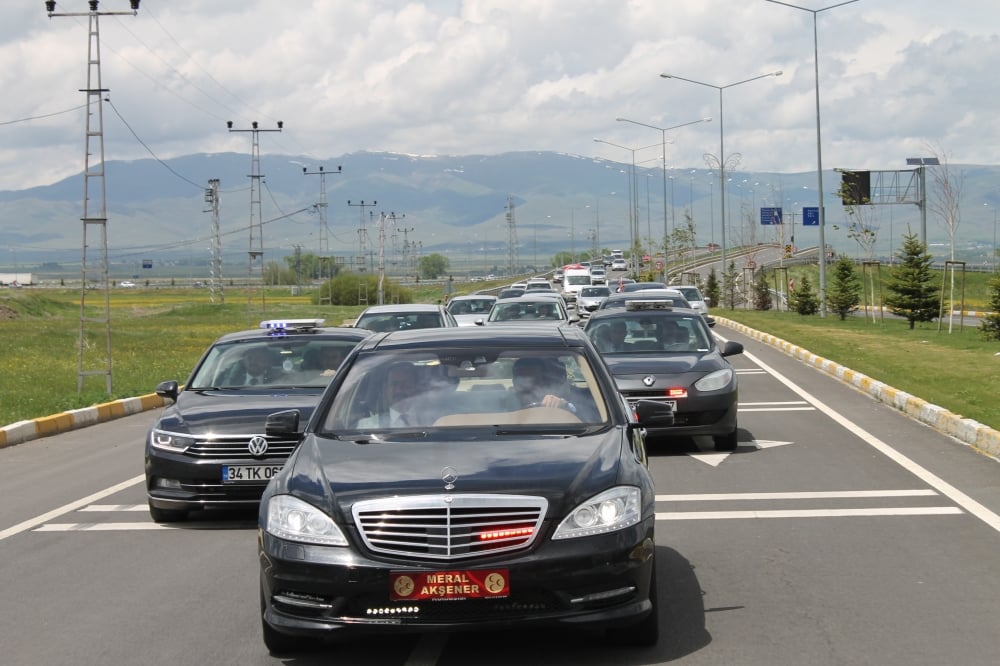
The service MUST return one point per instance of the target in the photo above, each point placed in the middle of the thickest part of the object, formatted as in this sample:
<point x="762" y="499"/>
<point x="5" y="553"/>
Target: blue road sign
<point x="810" y="216"/>
<point x="770" y="216"/>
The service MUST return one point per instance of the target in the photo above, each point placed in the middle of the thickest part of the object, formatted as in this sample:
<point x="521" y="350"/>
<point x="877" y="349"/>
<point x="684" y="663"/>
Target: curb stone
<point x="24" y="431"/>
<point x="975" y="434"/>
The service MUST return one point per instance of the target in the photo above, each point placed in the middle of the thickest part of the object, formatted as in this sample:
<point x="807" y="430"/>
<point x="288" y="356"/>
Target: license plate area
<point x="449" y="585"/>
<point x="249" y="473"/>
<point x="672" y="404"/>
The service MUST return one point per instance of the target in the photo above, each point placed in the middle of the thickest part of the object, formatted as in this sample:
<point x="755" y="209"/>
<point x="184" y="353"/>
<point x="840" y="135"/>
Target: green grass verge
<point x="159" y="334"/>
<point x="959" y="371"/>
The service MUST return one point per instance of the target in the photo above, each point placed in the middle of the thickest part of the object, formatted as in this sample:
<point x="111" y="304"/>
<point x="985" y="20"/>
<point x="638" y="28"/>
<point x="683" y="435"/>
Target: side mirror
<point x="282" y="424"/>
<point x="480" y="321"/>
<point x="653" y="413"/>
<point x="168" y="389"/>
<point x="732" y="348"/>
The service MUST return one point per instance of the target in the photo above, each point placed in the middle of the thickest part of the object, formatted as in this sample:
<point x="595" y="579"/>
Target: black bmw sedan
<point x="657" y="351"/>
<point x="208" y="449"/>
<point x="463" y="478"/>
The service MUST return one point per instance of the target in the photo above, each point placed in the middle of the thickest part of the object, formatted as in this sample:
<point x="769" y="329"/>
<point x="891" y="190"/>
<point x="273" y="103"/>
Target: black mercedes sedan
<point x="657" y="351"/>
<point x="208" y="449"/>
<point x="463" y="478"/>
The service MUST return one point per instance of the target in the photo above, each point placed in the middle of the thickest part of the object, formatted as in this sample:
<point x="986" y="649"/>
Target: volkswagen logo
<point x="649" y="380"/>
<point x="449" y="475"/>
<point x="257" y="446"/>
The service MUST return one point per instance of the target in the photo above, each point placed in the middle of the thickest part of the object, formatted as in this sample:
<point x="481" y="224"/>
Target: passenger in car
<point x="401" y="384"/>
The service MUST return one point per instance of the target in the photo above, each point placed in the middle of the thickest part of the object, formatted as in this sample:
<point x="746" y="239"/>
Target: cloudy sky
<point x="897" y="79"/>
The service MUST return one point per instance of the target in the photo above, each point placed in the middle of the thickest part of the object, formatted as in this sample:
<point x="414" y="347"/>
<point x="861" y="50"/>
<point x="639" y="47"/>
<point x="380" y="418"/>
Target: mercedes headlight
<point x="292" y="519"/>
<point x="614" y="509"/>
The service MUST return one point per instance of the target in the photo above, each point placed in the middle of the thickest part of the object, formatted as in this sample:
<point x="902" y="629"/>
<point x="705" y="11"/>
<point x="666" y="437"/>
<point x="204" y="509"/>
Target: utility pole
<point x="512" y="259"/>
<point x="91" y="360"/>
<point x="255" y="253"/>
<point x="215" y="265"/>
<point x="324" y="243"/>
<point x="382" y="221"/>
<point x="361" y="258"/>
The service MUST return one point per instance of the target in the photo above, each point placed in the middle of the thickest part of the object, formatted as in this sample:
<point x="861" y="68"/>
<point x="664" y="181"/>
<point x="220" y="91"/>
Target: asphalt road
<point x="839" y="532"/>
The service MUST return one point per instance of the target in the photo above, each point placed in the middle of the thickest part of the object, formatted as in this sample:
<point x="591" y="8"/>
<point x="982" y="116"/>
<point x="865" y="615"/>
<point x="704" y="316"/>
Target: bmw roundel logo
<point x="649" y="380"/>
<point x="257" y="446"/>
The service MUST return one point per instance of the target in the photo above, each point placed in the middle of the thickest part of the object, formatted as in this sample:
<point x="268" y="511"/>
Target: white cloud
<point x="488" y="76"/>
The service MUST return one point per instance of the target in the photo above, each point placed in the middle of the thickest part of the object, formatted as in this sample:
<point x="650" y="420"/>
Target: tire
<point x="166" y="515"/>
<point x="644" y="633"/>
<point x="727" y="442"/>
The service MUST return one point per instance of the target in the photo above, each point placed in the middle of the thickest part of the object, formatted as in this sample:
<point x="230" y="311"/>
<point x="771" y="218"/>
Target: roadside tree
<point x="433" y="266"/>
<point x="912" y="293"/>
<point x="844" y="293"/>
<point x="990" y="326"/>
<point x="761" y="292"/>
<point x="804" y="300"/>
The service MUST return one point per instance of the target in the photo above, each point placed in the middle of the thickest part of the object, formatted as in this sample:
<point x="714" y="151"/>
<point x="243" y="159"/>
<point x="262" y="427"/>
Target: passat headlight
<point x="611" y="510"/>
<point x="719" y="379"/>
<point x="170" y="441"/>
<point x="290" y="518"/>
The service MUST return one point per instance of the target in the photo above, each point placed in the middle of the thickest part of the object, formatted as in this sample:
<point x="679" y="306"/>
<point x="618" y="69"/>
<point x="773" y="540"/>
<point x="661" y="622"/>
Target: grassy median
<point x="159" y="334"/>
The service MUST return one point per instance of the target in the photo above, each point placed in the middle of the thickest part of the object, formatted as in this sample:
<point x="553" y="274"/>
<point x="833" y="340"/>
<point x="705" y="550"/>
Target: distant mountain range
<point x="454" y="205"/>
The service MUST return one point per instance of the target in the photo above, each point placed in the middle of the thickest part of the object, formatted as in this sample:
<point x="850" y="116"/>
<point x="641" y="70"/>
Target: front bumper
<point x="311" y="590"/>
<point x="712" y="415"/>
<point x="175" y="482"/>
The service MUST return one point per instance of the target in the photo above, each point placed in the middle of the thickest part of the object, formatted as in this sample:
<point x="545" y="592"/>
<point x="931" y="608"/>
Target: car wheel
<point x="646" y="632"/>
<point x="727" y="442"/>
<point x="166" y="515"/>
<point x="275" y="641"/>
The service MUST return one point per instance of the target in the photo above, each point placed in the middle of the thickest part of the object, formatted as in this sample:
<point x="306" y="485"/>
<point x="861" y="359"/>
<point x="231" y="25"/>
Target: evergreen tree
<point x="990" y="326"/>
<point x="761" y="293"/>
<point x="712" y="290"/>
<point x="804" y="300"/>
<point x="729" y="286"/>
<point x="912" y="294"/>
<point x="844" y="294"/>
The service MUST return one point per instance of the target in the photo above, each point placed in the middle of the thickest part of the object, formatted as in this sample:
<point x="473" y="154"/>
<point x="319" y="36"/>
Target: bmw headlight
<point x="719" y="379"/>
<point x="290" y="518"/>
<point x="170" y="441"/>
<point x="614" y="509"/>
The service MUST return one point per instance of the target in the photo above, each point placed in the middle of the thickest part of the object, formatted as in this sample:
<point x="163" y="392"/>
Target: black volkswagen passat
<point x="208" y="449"/>
<point x="463" y="478"/>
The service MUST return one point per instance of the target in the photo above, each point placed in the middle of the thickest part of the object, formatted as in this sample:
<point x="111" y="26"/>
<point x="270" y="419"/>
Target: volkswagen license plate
<point x="249" y="473"/>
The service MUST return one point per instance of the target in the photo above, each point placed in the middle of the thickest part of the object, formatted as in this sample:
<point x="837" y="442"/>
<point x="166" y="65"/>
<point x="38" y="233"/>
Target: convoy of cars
<point x="380" y="457"/>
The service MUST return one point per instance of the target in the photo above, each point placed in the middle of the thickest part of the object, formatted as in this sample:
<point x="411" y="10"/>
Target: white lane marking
<point x="741" y="408"/>
<point x="116" y="507"/>
<point x="925" y="475"/>
<point x="822" y="494"/>
<point x="767" y="443"/>
<point x="100" y="527"/>
<point x="72" y="506"/>
<point x="809" y="513"/>
<point x="775" y="403"/>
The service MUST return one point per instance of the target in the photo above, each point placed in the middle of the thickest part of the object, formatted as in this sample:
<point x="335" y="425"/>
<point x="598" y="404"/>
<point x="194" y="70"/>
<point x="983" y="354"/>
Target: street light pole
<point x="633" y="200"/>
<point x="722" y="147"/>
<point x="819" y="150"/>
<point x="663" y="143"/>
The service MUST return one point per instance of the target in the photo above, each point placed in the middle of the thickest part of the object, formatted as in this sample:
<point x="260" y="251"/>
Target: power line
<point x="46" y="115"/>
<point x="143" y="144"/>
